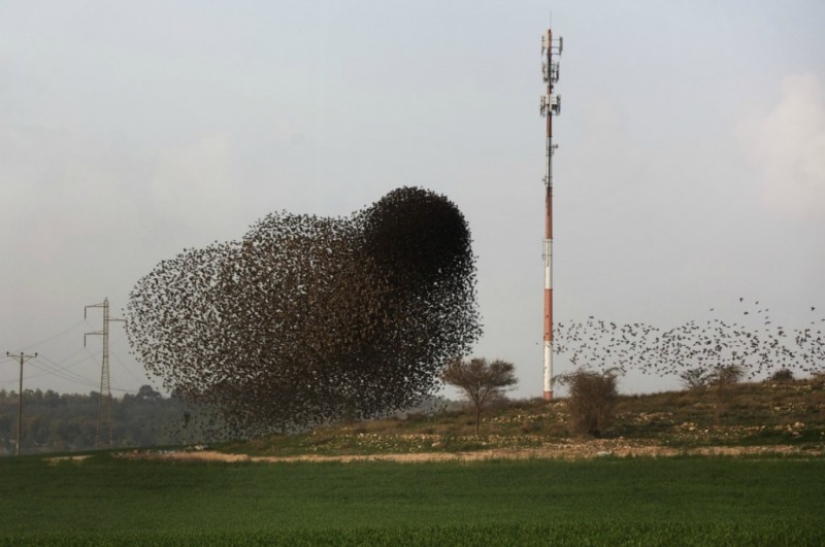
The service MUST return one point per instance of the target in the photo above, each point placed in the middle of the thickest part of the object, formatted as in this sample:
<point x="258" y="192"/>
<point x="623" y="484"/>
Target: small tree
<point x="722" y="378"/>
<point x="592" y="402"/>
<point x="481" y="382"/>
<point x="696" y="379"/>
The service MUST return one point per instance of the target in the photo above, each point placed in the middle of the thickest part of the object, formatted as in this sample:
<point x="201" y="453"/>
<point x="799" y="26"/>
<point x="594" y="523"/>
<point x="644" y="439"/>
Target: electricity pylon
<point x="105" y="424"/>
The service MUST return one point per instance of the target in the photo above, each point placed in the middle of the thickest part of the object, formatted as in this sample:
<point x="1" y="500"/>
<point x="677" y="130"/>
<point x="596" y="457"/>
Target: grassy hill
<point x="790" y="413"/>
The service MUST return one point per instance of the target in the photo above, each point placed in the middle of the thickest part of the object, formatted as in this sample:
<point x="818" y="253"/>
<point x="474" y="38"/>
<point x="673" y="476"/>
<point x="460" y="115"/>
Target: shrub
<point x="592" y="402"/>
<point x="782" y="375"/>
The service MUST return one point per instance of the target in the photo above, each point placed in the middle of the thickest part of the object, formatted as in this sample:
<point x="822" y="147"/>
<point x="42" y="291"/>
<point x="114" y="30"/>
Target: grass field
<point x="605" y="501"/>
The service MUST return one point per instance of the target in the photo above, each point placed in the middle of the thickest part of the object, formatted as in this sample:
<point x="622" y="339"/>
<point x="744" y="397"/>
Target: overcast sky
<point x="690" y="170"/>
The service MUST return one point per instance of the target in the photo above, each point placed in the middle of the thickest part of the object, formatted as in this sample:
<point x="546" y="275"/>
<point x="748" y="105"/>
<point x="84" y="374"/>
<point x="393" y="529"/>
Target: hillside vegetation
<point x="789" y="413"/>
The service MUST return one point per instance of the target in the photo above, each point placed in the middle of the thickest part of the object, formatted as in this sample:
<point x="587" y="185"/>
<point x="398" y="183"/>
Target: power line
<point x="58" y="335"/>
<point x="64" y="367"/>
<point x="132" y="374"/>
<point x="52" y="368"/>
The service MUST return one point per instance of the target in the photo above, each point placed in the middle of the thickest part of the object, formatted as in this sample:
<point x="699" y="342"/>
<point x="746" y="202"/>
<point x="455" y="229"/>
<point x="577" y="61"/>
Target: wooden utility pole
<point x="23" y="359"/>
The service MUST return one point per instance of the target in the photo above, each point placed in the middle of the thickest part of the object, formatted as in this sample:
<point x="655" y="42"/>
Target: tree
<point x="592" y="401"/>
<point x="726" y="375"/>
<point x="695" y="379"/>
<point x="146" y="392"/>
<point x="722" y="378"/>
<point x="481" y="382"/>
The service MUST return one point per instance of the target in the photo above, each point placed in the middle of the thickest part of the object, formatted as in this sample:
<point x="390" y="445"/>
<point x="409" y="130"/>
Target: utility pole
<point x="105" y="424"/>
<point x="23" y="359"/>
<point x="550" y="105"/>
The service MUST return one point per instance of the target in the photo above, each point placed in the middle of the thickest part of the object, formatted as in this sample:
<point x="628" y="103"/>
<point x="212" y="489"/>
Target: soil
<point x="57" y="459"/>
<point x="582" y="450"/>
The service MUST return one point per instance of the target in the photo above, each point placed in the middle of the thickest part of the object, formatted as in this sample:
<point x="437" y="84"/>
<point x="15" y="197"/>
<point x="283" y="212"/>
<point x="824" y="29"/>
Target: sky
<point x="690" y="171"/>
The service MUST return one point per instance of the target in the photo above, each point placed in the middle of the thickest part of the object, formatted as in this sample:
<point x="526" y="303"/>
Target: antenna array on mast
<point x="549" y="106"/>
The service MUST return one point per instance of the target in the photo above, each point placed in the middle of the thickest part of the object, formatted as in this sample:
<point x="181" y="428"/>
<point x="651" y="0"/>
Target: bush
<point x="592" y="402"/>
<point x="782" y="375"/>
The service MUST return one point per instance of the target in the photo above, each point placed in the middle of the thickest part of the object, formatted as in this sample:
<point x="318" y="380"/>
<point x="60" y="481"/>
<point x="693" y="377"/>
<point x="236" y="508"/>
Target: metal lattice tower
<point x="550" y="105"/>
<point x="105" y="424"/>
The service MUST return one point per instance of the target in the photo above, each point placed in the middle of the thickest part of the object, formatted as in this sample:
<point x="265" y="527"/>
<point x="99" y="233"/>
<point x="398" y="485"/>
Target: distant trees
<point x="146" y="392"/>
<point x="54" y="422"/>
<point x="719" y="376"/>
<point x="592" y="401"/>
<point x="480" y="382"/>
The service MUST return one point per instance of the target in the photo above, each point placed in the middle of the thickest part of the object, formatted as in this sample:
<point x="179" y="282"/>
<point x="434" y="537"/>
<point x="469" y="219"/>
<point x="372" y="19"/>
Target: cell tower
<point x="550" y="106"/>
<point x="105" y="425"/>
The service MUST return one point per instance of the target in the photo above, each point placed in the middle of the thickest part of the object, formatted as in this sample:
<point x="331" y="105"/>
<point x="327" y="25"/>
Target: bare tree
<point x="481" y="382"/>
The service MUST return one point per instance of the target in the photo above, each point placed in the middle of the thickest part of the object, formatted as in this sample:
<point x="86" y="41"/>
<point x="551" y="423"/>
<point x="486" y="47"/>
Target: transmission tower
<point x="23" y="359"/>
<point x="105" y="425"/>
<point x="550" y="105"/>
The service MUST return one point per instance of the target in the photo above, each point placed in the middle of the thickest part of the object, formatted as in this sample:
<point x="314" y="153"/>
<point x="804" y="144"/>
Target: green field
<point x="678" y="501"/>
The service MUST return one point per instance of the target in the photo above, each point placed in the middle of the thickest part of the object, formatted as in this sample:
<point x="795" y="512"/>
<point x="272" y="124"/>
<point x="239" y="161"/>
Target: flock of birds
<point x="754" y="344"/>
<point x="310" y="319"/>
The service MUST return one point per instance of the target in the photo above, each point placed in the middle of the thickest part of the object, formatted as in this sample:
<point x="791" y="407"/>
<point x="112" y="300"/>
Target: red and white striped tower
<point x="550" y="106"/>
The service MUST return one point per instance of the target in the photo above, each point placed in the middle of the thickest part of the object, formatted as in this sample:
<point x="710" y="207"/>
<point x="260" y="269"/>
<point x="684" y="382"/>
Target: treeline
<point x="55" y="422"/>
